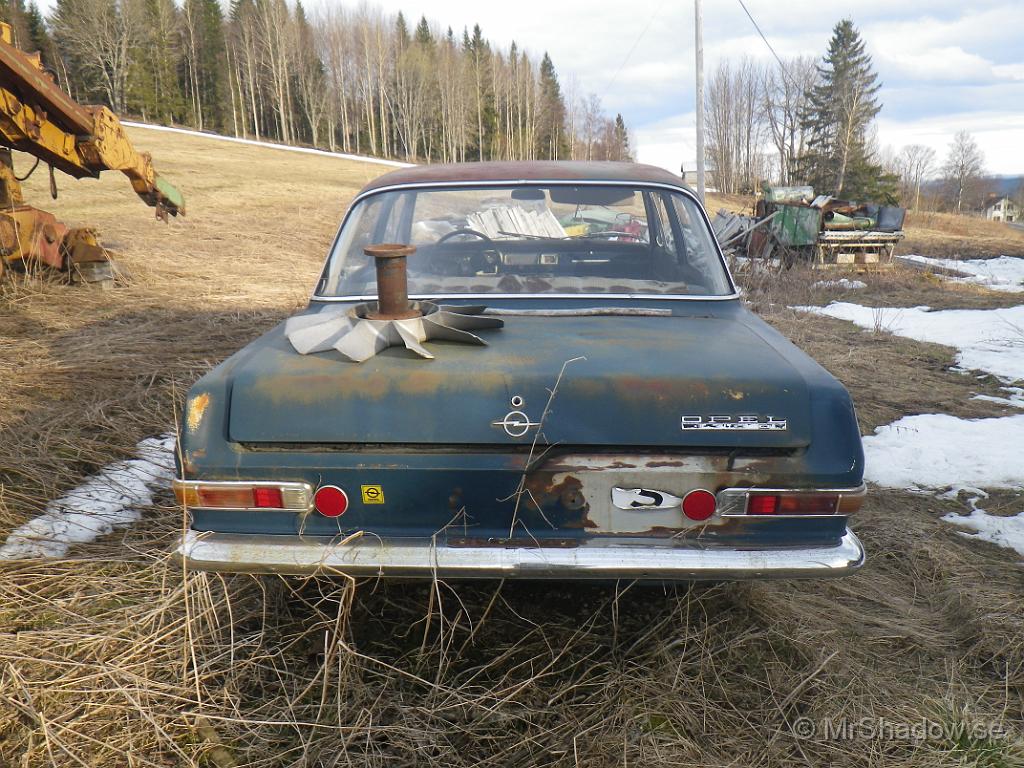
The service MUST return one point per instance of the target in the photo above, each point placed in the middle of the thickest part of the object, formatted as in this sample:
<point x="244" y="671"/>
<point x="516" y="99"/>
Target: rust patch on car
<point x="320" y="379"/>
<point x="563" y="503"/>
<point x="196" y="410"/>
<point x="189" y="458"/>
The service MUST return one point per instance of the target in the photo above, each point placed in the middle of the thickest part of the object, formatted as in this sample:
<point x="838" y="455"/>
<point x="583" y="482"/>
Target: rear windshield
<point x="521" y="240"/>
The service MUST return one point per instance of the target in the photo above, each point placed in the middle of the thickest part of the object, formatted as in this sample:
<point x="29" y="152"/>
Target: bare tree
<point x="734" y="127"/>
<point x="190" y="31"/>
<point x="101" y="35"/>
<point x="965" y="165"/>
<point x="413" y="93"/>
<point x="914" y="164"/>
<point x="357" y="76"/>
<point x="786" y="98"/>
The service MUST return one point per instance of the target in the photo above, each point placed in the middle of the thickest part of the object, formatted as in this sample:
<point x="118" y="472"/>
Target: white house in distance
<point x="1002" y="209"/>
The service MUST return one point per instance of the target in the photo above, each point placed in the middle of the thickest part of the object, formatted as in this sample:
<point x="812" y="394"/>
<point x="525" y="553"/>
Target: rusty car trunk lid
<point x="703" y="379"/>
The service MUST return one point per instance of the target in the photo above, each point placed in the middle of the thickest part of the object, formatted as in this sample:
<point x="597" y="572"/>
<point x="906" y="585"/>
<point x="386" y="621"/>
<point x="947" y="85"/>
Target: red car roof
<point x="534" y="170"/>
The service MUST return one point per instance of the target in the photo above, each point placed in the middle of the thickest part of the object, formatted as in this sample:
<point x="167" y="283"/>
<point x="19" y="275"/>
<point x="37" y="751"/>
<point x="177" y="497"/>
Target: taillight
<point x="267" y="498"/>
<point x="240" y="498"/>
<point x="804" y="503"/>
<point x="850" y="502"/>
<point x="229" y="494"/>
<point x="330" y="501"/>
<point x="734" y="502"/>
<point x="762" y="504"/>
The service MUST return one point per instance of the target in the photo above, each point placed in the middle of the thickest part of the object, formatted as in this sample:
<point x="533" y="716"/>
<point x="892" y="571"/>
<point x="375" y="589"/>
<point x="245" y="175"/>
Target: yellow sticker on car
<point x="372" y="494"/>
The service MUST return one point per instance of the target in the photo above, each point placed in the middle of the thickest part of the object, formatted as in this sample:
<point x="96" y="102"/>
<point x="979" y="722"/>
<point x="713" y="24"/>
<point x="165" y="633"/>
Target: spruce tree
<point x="621" y="149"/>
<point x="154" y="88"/>
<point x="38" y="37"/>
<point x="841" y="107"/>
<point x="423" y="35"/>
<point x="209" y="78"/>
<point x="551" y="139"/>
<point x="478" y="50"/>
<point x="402" y="32"/>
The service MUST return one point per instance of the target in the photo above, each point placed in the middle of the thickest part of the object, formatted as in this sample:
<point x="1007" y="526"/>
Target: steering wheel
<point x="463" y="231"/>
<point x="470" y="263"/>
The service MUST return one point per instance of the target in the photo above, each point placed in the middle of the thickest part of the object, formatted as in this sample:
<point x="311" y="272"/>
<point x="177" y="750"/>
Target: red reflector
<point x="762" y="505"/>
<point x="267" y="498"/>
<point x="331" y="501"/>
<point x="699" y="504"/>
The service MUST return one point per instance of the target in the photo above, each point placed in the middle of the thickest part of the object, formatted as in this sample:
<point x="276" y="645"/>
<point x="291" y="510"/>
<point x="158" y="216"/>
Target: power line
<point x="632" y="48"/>
<point x="782" y="66"/>
<point x="744" y="7"/>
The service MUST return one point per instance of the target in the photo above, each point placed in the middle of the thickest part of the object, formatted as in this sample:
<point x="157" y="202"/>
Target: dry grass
<point x="114" y="659"/>
<point x="967" y="237"/>
<point x="734" y="203"/>
<point x="930" y="234"/>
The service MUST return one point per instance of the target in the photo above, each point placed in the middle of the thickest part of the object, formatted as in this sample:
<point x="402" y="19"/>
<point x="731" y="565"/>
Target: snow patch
<point x="939" y="451"/>
<point x="1004" y="531"/>
<point x="105" y="501"/>
<point x="1014" y="398"/>
<point x="270" y="145"/>
<point x="1005" y="273"/>
<point x="844" y="283"/>
<point x="943" y="454"/>
<point x="990" y="340"/>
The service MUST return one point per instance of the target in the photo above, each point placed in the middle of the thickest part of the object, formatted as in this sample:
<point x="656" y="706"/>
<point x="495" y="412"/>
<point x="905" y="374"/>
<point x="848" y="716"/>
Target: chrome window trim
<point x="619" y="296"/>
<point x="731" y="497"/>
<point x="535" y="182"/>
<point x="229" y="484"/>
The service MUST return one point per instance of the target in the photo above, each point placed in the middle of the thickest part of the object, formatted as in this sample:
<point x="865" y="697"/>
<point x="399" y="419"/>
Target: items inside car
<point x="529" y="239"/>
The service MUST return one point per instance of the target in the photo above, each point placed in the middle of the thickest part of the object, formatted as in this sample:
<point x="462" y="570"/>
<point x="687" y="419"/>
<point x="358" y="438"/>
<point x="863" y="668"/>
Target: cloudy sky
<point x="944" y="65"/>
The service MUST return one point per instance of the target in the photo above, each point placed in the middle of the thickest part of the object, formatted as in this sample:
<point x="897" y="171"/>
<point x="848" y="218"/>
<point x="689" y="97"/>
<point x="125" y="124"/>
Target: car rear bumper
<point x="419" y="558"/>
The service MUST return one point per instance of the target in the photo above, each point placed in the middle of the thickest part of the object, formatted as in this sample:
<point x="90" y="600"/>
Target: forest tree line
<point x="353" y="80"/>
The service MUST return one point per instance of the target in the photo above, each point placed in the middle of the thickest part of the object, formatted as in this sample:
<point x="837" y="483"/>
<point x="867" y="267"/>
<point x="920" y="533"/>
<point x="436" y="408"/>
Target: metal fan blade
<point x="362" y="342"/>
<point x="465" y="322"/>
<point x="437" y="330"/>
<point x="471" y="309"/>
<point x="411" y="341"/>
<point x="308" y="338"/>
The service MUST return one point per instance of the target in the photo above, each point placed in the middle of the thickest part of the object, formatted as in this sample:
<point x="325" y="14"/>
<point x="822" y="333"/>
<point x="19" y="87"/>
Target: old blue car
<point x="538" y="370"/>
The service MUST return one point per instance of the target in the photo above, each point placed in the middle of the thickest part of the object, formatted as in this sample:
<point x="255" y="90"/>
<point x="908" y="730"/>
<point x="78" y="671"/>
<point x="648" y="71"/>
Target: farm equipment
<point x="38" y="118"/>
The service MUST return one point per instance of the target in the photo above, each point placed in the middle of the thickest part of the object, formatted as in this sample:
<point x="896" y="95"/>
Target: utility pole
<point x="699" y="24"/>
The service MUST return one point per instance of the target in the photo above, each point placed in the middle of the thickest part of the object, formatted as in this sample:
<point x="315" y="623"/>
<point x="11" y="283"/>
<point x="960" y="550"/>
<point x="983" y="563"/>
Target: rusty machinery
<point x="38" y="118"/>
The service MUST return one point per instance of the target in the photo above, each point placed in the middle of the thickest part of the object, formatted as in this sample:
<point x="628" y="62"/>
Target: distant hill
<point x="1003" y="185"/>
<point x="997" y="185"/>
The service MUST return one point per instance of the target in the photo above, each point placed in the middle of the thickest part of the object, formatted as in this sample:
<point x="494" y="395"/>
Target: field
<point x="114" y="657"/>
<point x="927" y="233"/>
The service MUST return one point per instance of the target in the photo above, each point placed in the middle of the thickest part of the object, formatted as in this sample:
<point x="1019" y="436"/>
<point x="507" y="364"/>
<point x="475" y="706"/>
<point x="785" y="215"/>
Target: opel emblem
<point x="516" y="423"/>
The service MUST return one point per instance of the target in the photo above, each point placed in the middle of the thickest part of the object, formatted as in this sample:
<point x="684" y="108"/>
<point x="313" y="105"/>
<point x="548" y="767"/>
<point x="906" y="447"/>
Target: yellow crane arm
<point x="38" y="118"/>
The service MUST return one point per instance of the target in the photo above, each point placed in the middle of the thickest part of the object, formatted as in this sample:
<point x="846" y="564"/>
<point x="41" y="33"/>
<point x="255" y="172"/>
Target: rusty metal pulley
<point x="392" y="281"/>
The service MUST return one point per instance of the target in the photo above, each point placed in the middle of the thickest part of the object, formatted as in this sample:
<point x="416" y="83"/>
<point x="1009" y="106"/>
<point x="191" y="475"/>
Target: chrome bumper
<point x="418" y="558"/>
